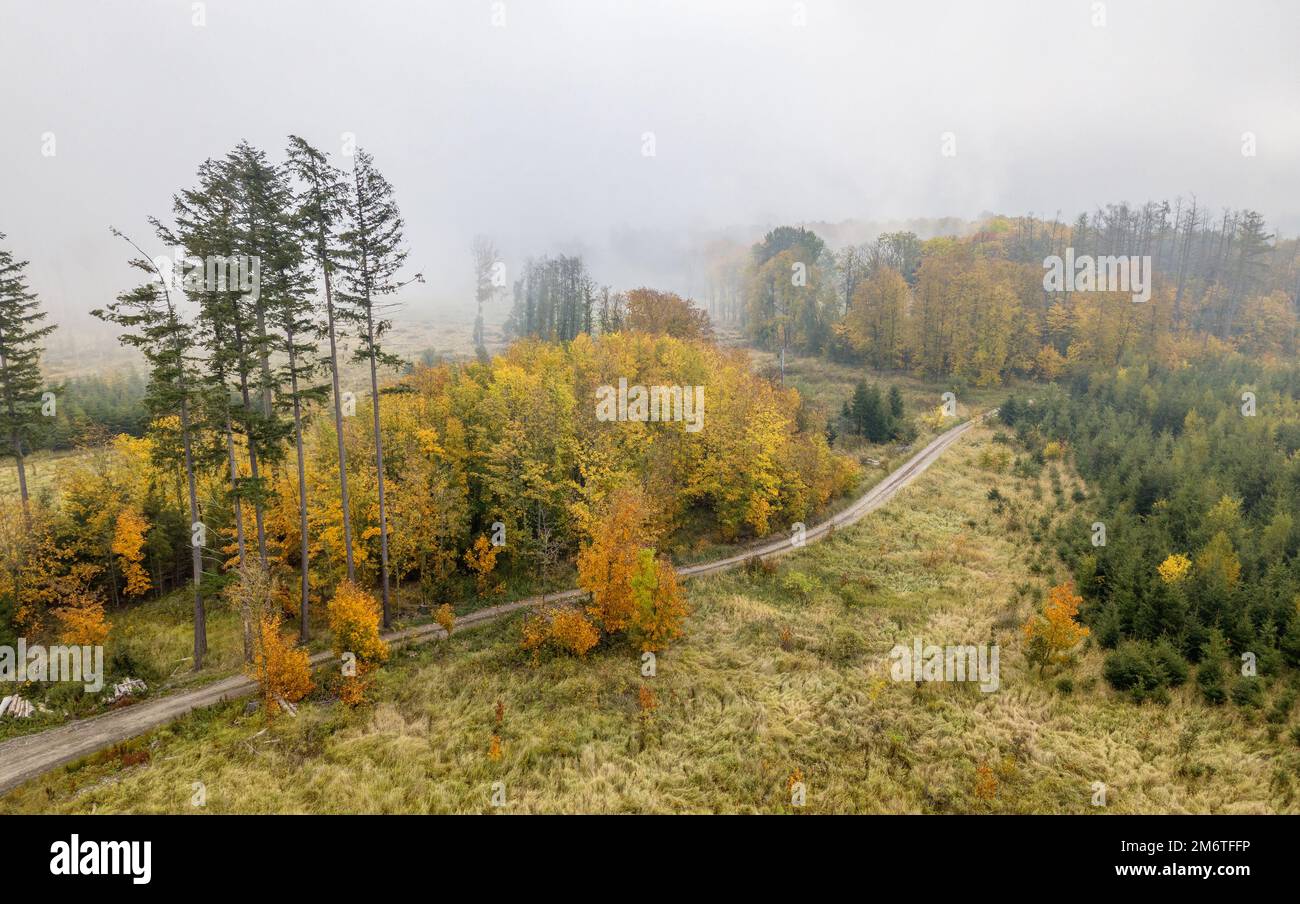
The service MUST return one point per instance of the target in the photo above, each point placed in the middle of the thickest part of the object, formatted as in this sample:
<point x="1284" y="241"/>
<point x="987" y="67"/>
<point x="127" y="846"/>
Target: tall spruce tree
<point x="205" y="229"/>
<point x="375" y="256"/>
<point x="21" y="332"/>
<point x="263" y="199"/>
<point x="321" y="214"/>
<point x="154" y="325"/>
<point x="287" y="286"/>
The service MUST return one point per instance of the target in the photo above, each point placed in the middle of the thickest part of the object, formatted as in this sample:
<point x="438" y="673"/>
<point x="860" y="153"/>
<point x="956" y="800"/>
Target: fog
<point x="533" y="129"/>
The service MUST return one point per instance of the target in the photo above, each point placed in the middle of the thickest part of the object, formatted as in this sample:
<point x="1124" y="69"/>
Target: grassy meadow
<point x="784" y="675"/>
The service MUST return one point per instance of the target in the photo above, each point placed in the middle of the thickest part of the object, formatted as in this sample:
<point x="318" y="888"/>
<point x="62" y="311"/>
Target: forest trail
<point x="26" y="757"/>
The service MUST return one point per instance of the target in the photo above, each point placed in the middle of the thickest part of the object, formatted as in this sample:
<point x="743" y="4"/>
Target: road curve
<point x="26" y="757"/>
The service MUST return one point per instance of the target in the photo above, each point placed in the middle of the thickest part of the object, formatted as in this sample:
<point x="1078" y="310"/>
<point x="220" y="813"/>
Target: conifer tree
<point x="321" y="213"/>
<point x="205" y="229"/>
<point x="21" y="332"/>
<point x="152" y="323"/>
<point x="263" y="198"/>
<point x="287" y="287"/>
<point x="375" y="256"/>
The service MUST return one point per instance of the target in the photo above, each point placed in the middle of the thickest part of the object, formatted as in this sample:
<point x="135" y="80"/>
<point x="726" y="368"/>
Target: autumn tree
<point x="81" y="617"/>
<point x="282" y="669"/>
<point x="659" y="603"/>
<point x="128" y="545"/>
<point x="481" y="559"/>
<point x="1053" y="634"/>
<point x="608" y="564"/>
<point x="562" y="628"/>
<point x="652" y="311"/>
<point x="354" y="618"/>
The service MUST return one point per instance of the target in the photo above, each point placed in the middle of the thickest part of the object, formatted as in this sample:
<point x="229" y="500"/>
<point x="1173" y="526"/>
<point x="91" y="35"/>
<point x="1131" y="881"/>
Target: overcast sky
<point x="532" y="133"/>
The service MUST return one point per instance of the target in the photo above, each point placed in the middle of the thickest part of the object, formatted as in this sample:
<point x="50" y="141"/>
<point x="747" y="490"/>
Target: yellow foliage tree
<point x="660" y="604"/>
<point x="1174" y="568"/>
<point x="1049" y="362"/>
<point x="81" y="617"/>
<point x="128" y="546"/>
<point x="481" y="559"/>
<point x="1051" y="636"/>
<point x="354" y="618"/>
<point x="446" y="617"/>
<point x="1217" y="564"/>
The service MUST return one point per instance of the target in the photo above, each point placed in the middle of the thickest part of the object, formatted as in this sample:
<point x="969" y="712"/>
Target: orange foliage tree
<point x="631" y="590"/>
<point x="608" y="564"/>
<point x="1051" y="635"/>
<point x="652" y="311"/>
<point x="354" y="618"/>
<point x="82" y="621"/>
<point x="282" y="669"/>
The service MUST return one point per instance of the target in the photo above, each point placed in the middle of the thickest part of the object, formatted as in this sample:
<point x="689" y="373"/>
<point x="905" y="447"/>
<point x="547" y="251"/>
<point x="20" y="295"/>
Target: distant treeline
<point x="91" y="408"/>
<point x="975" y="308"/>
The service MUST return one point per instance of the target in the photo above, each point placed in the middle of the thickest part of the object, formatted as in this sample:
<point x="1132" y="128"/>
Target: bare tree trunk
<point x="22" y="479"/>
<point x="303" y="629"/>
<point x="379" y="471"/>
<point x="196" y="551"/>
<point x="338" y="432"/>
<point x="254" y="472"/>
<point x="234" y="485"/>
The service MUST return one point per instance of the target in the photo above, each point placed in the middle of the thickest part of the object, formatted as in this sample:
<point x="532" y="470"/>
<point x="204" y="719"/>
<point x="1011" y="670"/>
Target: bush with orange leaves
<point x="354" y="618"/>
<point x="82" y="624"/>
<point x="81" y="617"/>
<point x="1052" y="635"/>
<point x="561" y="628"/>
<point x="282" y="669"/>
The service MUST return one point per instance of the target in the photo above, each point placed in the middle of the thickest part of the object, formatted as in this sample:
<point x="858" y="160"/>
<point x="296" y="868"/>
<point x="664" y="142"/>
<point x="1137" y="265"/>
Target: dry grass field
<point x="784" y="674"/>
